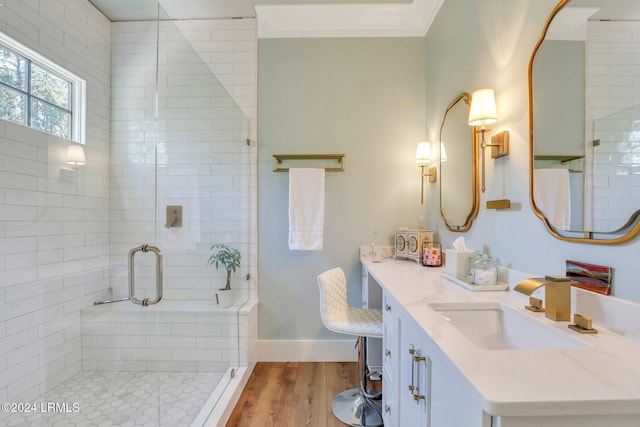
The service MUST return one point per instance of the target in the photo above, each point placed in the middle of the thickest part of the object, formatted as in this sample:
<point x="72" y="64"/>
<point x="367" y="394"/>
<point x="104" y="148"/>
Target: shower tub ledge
<point x="175" y="336"/>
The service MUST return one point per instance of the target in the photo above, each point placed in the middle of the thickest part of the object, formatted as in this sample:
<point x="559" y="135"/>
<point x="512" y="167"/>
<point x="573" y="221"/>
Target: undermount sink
<point x="494" y="326"/>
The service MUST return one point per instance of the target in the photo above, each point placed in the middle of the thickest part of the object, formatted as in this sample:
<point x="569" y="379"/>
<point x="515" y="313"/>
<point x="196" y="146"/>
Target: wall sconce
<point x="423" y="157"/>
<point x="482" y="113"/>
<point x="75" y="155"/>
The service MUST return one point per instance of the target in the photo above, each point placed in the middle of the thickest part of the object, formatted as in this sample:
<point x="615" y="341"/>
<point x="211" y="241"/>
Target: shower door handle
<point x="132" y="288"/>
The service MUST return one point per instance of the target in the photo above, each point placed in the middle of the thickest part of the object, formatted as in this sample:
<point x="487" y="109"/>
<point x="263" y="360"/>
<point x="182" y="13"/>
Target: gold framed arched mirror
<point x="584" y="124"/>
<point x="459" y="191"/>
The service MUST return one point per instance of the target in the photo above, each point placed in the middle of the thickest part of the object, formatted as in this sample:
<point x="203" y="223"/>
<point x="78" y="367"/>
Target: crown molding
<point x="346" y="20"/>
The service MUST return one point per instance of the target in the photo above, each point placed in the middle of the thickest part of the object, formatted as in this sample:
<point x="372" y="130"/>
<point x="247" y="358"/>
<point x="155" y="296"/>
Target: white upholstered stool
<point x="354" y="406"/>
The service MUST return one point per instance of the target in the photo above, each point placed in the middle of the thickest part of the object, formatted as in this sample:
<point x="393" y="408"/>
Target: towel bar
<point x="279" y="158"/>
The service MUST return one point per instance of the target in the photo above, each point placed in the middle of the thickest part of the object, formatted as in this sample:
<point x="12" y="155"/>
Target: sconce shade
<point x="75" y="155"/>
<point x="423" y="152"/>
<point x="483" y="108"/>
<point x="443" y="153"/>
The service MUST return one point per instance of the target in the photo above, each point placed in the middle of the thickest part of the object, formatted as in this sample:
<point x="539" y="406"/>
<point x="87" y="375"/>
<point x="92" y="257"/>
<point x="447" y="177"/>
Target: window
<point x="37" y="93"/>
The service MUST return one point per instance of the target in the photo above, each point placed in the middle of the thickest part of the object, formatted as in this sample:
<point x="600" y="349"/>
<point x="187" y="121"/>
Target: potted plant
<point x="228" y="258"/>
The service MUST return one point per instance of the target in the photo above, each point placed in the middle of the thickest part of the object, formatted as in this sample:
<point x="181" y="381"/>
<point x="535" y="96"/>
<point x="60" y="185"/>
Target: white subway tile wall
<point x="65" y="232"/>
<point x="54" y="222"/>
<point x="613" y="107"/>
<point x="205" y="165"/>
<point x="189" y="336"/>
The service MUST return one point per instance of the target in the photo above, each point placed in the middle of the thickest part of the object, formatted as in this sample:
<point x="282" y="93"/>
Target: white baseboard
<point x="307" y="350"/>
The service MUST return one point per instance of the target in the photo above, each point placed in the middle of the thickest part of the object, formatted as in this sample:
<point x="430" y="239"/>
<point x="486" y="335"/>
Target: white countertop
<point x="601" y="379"/>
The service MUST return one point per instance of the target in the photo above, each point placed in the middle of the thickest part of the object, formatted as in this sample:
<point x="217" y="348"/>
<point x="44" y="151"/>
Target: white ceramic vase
<point x="224" y="297"/>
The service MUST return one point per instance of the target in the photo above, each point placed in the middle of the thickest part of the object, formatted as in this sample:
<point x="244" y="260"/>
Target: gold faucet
<point x="557" y="295"/>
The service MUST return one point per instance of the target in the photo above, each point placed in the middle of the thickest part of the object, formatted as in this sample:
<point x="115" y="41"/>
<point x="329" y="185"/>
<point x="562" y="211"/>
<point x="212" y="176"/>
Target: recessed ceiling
<point x="142" y="10"/>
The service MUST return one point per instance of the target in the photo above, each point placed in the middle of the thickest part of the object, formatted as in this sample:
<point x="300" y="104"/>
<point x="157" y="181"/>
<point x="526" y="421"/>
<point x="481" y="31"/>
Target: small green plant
<point x="227" y="257"/>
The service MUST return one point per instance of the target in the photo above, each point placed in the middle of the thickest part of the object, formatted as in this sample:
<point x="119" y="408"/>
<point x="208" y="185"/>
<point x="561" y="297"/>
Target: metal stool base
<point x="354" y="409"/>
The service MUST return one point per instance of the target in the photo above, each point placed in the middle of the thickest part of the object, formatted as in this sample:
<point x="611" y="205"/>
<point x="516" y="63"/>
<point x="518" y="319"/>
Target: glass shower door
<point x="179" y="182"/>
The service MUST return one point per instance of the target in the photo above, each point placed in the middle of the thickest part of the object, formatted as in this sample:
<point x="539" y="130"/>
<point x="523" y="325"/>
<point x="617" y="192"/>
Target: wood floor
<point x="293" y="394"/>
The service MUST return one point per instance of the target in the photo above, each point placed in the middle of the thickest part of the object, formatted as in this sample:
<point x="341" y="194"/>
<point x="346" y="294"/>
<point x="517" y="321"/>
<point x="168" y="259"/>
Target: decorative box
<point x="432" y="254"/>
<point x="409" y="243"/>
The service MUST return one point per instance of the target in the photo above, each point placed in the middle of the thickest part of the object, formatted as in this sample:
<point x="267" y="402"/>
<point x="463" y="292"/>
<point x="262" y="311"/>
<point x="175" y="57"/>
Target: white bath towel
<point x="306" y="209"/>
<point x="553" y="196"/>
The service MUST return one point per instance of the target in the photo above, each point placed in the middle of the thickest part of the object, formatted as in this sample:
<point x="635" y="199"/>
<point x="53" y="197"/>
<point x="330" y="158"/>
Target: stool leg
<point x="352" y="406"/>
<point x="370" y="394"/>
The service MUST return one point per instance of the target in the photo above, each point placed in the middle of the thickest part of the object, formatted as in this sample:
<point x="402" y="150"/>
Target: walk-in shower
<point x="176" y="139"/>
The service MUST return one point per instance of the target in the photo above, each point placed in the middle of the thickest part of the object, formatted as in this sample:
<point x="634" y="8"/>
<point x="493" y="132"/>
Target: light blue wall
<point x="373" y="99"/>
<point x="487" y="43"/>
<point x="361" y="97"/>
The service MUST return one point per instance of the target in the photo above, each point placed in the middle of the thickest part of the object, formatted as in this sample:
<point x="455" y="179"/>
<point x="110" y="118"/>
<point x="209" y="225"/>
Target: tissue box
<point x="457" y="263"/>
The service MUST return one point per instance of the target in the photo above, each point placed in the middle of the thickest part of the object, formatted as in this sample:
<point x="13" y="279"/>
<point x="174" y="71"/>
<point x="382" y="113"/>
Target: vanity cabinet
<point x="390" y="360"/>
<point x="421" y="352"/>
<point x="414" y="385"/>
<point x="419" y="389"/>
<point x="451" y="403"/>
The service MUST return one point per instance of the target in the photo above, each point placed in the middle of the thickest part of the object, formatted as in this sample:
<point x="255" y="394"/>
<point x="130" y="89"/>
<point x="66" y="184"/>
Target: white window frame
<point x="78" y="92"/>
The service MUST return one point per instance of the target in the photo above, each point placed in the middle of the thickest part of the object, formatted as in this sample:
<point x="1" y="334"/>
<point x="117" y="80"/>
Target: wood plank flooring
<point x="293" y="394"/>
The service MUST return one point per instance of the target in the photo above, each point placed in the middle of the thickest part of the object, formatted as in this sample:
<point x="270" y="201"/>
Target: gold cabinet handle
<point x="387" y="352"/>
<point x="413" y="364"/>
<point x="415" y="375"/>
<point x="387" y="409"/>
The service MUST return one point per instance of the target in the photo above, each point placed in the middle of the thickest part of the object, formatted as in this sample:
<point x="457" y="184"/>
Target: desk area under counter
<point x="434" y="376"/>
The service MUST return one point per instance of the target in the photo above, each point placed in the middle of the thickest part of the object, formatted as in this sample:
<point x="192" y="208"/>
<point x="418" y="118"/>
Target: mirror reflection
<point x="459" y="196"/>
<point x="586" y="119"/>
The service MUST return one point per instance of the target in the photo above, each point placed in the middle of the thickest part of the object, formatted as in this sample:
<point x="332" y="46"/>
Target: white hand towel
<point x="306" y="209"/>
<point x="553" y="196"/>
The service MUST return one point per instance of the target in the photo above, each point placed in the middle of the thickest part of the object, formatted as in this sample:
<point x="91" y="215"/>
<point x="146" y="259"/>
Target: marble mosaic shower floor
<point x="122" y="399"/>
